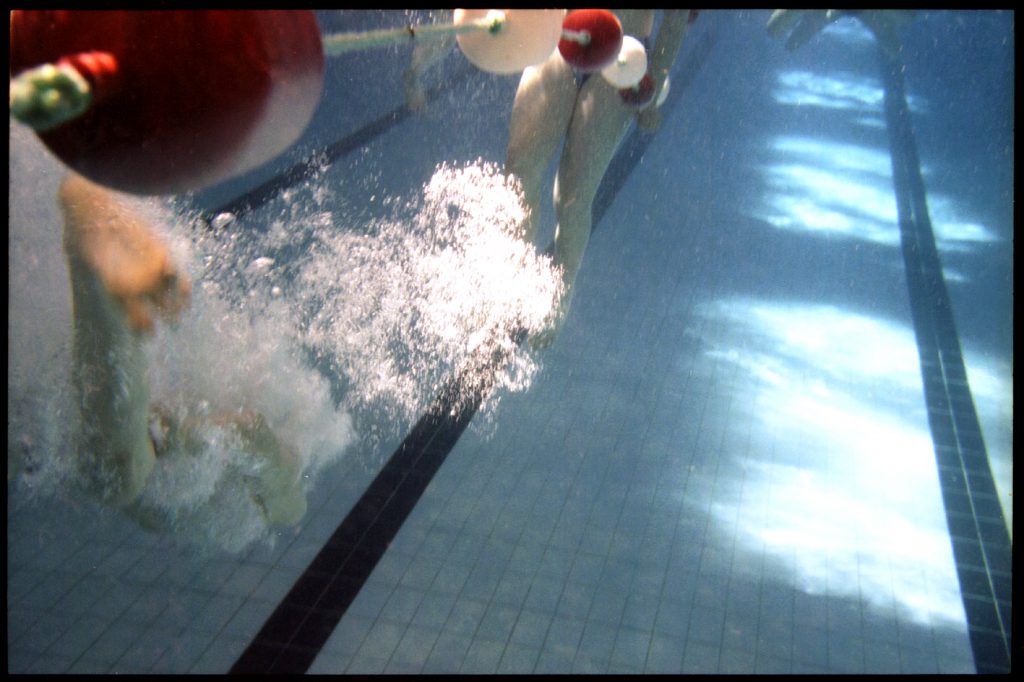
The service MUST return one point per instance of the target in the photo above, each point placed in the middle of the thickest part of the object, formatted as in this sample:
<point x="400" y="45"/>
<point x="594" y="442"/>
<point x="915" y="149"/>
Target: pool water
<point x="725" y="463"/>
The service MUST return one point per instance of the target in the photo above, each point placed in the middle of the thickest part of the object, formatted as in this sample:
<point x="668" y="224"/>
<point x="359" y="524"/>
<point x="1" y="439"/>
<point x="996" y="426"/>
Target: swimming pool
<point x="724" y="464"/>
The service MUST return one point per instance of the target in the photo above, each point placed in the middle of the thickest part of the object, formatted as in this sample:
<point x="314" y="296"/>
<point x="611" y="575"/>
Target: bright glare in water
<point x="404" y="304"/>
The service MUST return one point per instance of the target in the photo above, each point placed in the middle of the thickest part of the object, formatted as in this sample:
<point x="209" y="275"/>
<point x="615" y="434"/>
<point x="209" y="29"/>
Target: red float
<point x="591" y="39"/>
<point x="184" y="98"/>
<point x="641" y="94"/>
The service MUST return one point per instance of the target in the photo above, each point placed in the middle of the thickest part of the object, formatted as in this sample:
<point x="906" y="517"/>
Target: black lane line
<point x="977" y="528"/>
<point x="295" y="632"/>
<point x="304" y="170"/>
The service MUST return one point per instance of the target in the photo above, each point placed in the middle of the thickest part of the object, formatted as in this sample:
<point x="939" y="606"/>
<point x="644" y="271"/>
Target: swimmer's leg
<point x="425" y="55"/>
<point x="121" y="277"/>
<point x="121" y="274"/>
<point x="540" y="117"/>
<point x="599" y="123"/>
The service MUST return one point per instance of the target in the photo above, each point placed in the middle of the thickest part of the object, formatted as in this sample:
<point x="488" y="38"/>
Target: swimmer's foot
<point x="277" y="489"/>
<point x="547" y="336"/>
<point x="122" y="250"/>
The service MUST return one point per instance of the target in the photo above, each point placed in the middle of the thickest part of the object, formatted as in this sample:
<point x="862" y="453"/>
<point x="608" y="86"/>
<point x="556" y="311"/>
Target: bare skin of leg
<point x="122" y="278"/>
<point x="541" y="114"/>
<point x="121" y="275"/>
<point x="599" y="122"/>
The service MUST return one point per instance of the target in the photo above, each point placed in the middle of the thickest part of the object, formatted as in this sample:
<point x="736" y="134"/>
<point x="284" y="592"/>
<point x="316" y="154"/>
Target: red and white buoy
<point x="180" y="99"/>
<point x="591" y="39"/>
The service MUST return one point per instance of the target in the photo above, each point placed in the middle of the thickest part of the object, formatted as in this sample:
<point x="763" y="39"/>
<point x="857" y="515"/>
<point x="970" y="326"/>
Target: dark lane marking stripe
<point x="307" y="169"/>
<point x="981" y="542"/>
<point x="296" y="631"/>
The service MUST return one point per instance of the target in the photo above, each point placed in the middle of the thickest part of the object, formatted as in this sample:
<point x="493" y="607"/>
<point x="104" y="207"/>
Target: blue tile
<point x="771" y="665"/>
<point x="608" y="607"/>
<point x="402" y="604"/>
<point x="47" y="592"/>
<point x="584" y="664"/>
<point x="846" y="655"/>
<point x="810" y="645"/>
<point x="881" y="657"/>
<point x="51" y="664"/>
<point x="381" y="640"/>
<point x="640" y="612"/>
<point x="577" y="598"/>
<point x="215" y="615"/>
<point x="665" y="655"/>
<point x="482" y="657"/>
<point x="544" y="593"/>
<point x="735" y="661"/>
<point x="554" y="662"/>
<point x="481" y="582"/>
<point x="326" y="664"/>
<point x="448" y="653"/>
<point x="433" y="610"/>
<point x="700" y="657"/>
<point x="450" y="578"/>
<point x="497" y="622"/>
<point x="348" y="636"/>
<point x="564" y="636"/>
<point x="249" y="618"/>
<point x="181" y="653"/>
<point x="37" y="635"/>
<point x="631" y="647"/>
<point x="145" y="652"/>
<point x="77" y="638"/>
<point x="413" y="649"/>
<point x="370" y="600"/>
<point x="513" y="588"/>
<point x="531" y="629"/>
<point x="916" y="661"/>
<point x="551" y="561"/>
<point x="465" y="616"/>
<point x="113" y="642"/>
<point x="366" y="665"/>
<point x="706" y="623"/>
<point x="518" y="659"/>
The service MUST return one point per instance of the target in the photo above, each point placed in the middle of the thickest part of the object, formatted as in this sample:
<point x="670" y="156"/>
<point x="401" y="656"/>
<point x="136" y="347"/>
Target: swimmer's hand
<point x="123" y="251"/>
